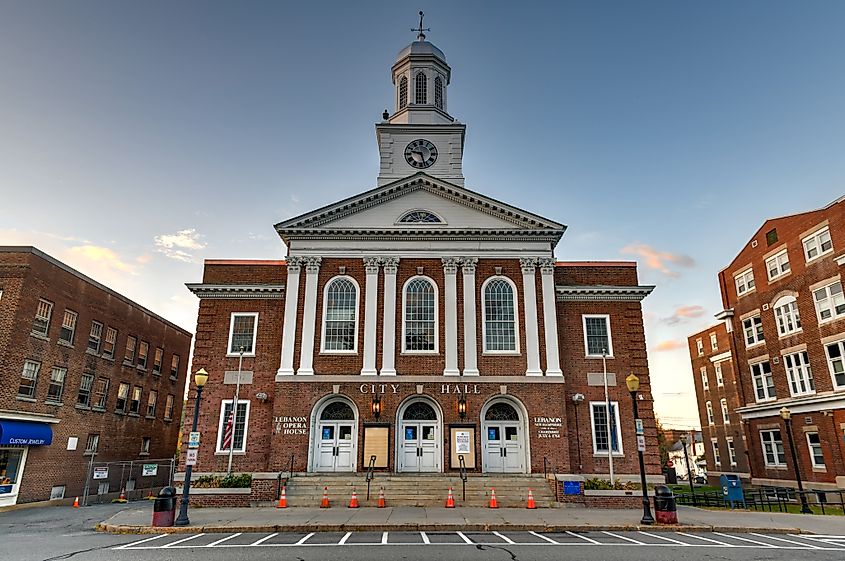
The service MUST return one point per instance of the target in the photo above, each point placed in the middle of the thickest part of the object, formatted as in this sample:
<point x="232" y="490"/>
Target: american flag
<point x="227" y="432"/>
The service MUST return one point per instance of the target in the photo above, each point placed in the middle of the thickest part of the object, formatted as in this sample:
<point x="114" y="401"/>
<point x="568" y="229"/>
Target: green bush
<point x="597" y="484"/>
<point x="233" y="481"/>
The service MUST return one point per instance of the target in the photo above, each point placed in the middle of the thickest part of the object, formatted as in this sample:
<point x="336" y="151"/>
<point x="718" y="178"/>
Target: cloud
<point x="684" y="313"/>
<point x="102" y="257"/>
<point x="178" y="246"/>
<point x="659" y="260"/>
<point x="668" y="345"/>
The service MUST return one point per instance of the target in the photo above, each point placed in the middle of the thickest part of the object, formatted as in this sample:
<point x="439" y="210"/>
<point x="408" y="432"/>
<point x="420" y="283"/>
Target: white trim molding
<point x="450" y="306"/>
<point x="309" y="317"/>
<point x="470" y="328"/>
<point x="547" y="276"/>
<point x="809" y="404"/>
<point x="388" y="349"/>
<point x="354" y="349"/>
<point x="371" y="265"/>
<point x="236" y="291"/>
<point x="294" y="265"/>
<point x="602" y="293"/>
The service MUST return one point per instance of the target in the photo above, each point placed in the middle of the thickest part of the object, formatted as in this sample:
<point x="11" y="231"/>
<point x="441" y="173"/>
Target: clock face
<point x="420" y="153"/>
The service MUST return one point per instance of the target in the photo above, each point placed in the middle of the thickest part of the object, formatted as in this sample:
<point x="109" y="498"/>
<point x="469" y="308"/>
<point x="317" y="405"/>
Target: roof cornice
<point x="228" y="291"/>
<point x="602" y="293"/>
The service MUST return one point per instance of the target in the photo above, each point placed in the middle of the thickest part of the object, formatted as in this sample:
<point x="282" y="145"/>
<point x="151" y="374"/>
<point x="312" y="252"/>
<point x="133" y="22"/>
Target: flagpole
<point x="235" y="411"/>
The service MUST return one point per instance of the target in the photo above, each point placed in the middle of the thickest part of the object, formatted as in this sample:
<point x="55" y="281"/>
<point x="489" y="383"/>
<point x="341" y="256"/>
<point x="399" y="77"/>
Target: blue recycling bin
<point x="732" y="489"/>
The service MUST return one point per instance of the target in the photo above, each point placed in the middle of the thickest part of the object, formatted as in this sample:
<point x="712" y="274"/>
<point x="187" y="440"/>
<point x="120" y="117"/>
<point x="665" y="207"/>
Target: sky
<point x="139" y="138"/>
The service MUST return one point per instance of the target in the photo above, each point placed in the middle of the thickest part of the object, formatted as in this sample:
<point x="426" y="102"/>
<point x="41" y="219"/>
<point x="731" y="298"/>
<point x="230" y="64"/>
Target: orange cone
<point x="325" y="501"/>
<point x="493" y="503"/>
<point x="283" y="500"/>
<point x="122" y="496"/>
<point x="381" y="498"/>
<point x="353" y="503"/>
<point x="76" y="502"/>
<point x="531" y="503"/>
<point x="450" y="499"/>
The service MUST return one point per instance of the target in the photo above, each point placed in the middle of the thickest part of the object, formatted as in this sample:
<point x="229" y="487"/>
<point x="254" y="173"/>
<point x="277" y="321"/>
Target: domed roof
<point x="421" y="48"/>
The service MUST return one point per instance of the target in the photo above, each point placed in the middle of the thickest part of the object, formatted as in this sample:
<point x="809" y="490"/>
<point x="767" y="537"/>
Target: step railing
<point x="463" y="471"/>
<point x="370" y="474"/>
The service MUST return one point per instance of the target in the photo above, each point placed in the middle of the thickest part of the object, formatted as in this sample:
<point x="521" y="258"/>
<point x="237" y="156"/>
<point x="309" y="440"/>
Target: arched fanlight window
<point x="501" y="411"/>
<point x="403" y="92"/>
<point x="419" y="411"/>
<point x="499" y="316"/>
<point x="337" y="411"/>
<point x="786" y="315"/>
<point x="421" y="88"/>
<point x="420" y="316"/>
<point x="340" y="315"/>
<point x="419" y="216"/>
<point x="438" y="93"/>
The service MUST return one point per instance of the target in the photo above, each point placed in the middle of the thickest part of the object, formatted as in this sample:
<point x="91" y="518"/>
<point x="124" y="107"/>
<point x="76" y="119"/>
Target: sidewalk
<point x="136" y="520"/>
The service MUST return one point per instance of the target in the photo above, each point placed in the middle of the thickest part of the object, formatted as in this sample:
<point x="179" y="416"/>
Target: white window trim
<point x="751" y="366"/>
<point x="779" y="266"/>
<point x="699" y="346"/>
<point x="754" y="331"/>
<point x="763" y="449"/>
<point x="810" y="450"/>
<point x="833" y="315"/>
<point x="784" y="301"/>
<point x="726" y="412"/>
<point x="436" y="316"/>
<point x="609" y="335"/>
<point x="354" y="349"/>
<point x="221" y="424"/>
<point x="705" y="381"/>
<point x="831" y="371"/>
<point x="742" y="275"/>
<point x="714" y="342"/>
<point x="711" y="417"/>
<point x="729" y="440"/>
<point x="816" y="234"/>
<point x="484" y="349"/>
<point x="717" y="456"/>
<point x="231" y="332"/>
<point x="720" y="376"/>
<point x="603" y="453"/>
<point x="803" y="369"/>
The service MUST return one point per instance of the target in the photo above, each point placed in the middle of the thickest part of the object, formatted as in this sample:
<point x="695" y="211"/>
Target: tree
<point x="662" y="444"/>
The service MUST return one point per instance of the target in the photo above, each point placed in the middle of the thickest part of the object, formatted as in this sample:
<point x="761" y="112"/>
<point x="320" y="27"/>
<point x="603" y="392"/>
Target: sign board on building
<point x="462" y="442"/>
<point x="640" y="443"/>
<point x="191" y="458"/>
<point x="101" y="472"/>
<point x="149" y="470"/>
<point x="639" y="423"/>
<point x="194" y="440"/>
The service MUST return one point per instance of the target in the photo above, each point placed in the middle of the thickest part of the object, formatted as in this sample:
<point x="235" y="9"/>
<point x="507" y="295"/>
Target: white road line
<point x="542" y="537"/>
<point x="145" y="540"/>
<point x="505" y="538"/>
<point x="424" y="538"/>
<point x="804" y="544"/>
<point x="744" y="539"/>
<point x="183" y="540"/>
<point x="344" y="538"/>
<point x="591" y="540"/>
<point x="632" y="540"/>
<point x="264" y="539"/>
<point x="463" y="537"/>
<point x="663" y="538"/>
<point x="827" y="540"/>
<point x="212" y="544"/>
<point x="830" y="536"/>
<point x="384" y="537"/>
<point x="696" y="536"/>
<point x="302" y="541"/>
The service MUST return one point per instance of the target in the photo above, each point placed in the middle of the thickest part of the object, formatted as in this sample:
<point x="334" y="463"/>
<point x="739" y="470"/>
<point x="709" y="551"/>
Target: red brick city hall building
<point x="418" y="322"/>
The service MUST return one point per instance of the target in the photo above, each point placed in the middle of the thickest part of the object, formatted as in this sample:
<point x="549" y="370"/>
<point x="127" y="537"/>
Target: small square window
<point x="772" y="236"/>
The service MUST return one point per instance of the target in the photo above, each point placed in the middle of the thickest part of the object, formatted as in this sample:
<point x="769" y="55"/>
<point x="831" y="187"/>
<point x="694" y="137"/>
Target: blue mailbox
<point x="732" y="489"/>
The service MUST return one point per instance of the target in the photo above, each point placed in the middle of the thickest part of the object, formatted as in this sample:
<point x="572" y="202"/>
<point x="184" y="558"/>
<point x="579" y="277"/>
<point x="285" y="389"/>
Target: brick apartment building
<point x="84" y="370"/>
<point x="784" y="312"/>
<point x="418" y="321"/>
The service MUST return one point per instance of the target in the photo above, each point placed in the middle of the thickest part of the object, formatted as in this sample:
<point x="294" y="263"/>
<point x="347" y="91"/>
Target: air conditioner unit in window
<point x="765" y="307"/>
<point x="776" y="360"/>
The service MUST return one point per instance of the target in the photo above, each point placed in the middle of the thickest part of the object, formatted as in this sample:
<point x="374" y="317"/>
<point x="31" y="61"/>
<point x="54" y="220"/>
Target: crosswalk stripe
<point x="424" y="538"/>
<point x="505" y="538"/>
<point x="304" y="539"/>
<point x="744" y="539"/>
<point x="664" y="538"/>
<point x="696" y="536"/>
<point x="591" y="540"/>
<point x="811" y="546"/>
<point x="827" y="540"/>
<point x="384" y="537"/>
<point x="542" y="537"/>
<point x="265" y="538"/>
<point x="344" y="538"/>
<point x="183" y="540"/>
<point x="463" y="537"/>
<point x="212" y="544"/>
<point x="145" y="540"/>
<point x="632" y="540"/>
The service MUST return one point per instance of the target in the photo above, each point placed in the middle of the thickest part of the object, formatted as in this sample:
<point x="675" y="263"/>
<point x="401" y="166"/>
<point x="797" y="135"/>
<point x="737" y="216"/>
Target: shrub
<point x="232" y="481"/>
<point x="596" y="484"/>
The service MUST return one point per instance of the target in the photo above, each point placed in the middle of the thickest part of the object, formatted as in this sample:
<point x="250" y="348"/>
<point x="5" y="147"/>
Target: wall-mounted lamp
<point x="462" y="407"/>
<point x="376" y="406"/>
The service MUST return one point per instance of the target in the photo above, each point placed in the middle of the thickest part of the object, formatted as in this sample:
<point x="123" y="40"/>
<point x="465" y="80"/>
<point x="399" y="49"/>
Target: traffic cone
<point x="531" y="504"/>
<point x="381" y="498"/>
<point x="122" y="496"/>
<point x="76" y="502"/>
<point x="325" y="501"/>
<point x="353" y="503"/>
<point x="493" y="503"/>
<point x="450" y="499"/>
<point x="283" y="500"/>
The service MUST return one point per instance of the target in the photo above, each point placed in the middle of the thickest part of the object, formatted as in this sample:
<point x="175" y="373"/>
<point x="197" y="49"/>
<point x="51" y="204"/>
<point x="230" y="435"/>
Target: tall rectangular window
<point x="752" y="328"/>
<point x="122" y="398"/>
<point x="157" y="360"/>
<point x="68" y="329"/>
<point x="836" y="363"/>
<point x="699" y="346"/>
<point x="720" y="378"/>
<point x="130" y="349"/>
<point x="242" y="332"/>
<point x="816" y="453"/>
<point x="92" y="443"/>
<point x="95" y="337"/>
<point x="726" y="413"/>
<point x="43" y="313"/>
<point x="597" y="336"/>
<point x="85" y="386"/>
<point x="711" y="420"/>
<point x="599" y="418"/>
<point x="777" y="265"/>
<point x="829" y="301"/>
<point x="135" y="402"/>
<point x="174" y="366"/>
<point x="714" y="343"/>
<point x="705" y="382"/>
<point x="817" y="244"/>
<point x="799" y="373"/>
<point x="29" y="379"/>
<point x="101" y="393"/>
<point x="764" y="383"/>
<point x="168" y="408"/>
<point x="744" y="282"/>
<point x="108" y="345"/>
<point x="145" y="445"/>
<point x="787" y="316"/>
<point x="143" y="350"/>
<point x="717" y="458"/>
<point x="57" y="384"/>
<point x="239" y="429"/>
<point x="151" y="403"/>
<point x="731" y="451"/>
<point x="773" y="453"/>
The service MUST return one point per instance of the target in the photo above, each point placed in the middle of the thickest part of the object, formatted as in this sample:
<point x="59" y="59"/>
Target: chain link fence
<point x="136" y="478"/>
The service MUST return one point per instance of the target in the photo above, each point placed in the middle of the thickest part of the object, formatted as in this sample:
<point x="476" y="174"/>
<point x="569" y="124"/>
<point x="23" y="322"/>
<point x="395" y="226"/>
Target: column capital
<point x="294" y="264"/>
<point x="547" y="265"/>
<point x="390" y="264"/>
<point x="469" y="264"/>
<point x="371" y="264"/>
<point x="528" y="265"/>
<point x="450" y="265"/>
<point x="312" y="264"/>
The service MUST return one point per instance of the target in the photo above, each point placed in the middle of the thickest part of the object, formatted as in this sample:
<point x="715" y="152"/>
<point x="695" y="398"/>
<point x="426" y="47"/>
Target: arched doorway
<point x="419" y="437"/>
<point x="503" y="438"/>
<point x="335" y="445"/>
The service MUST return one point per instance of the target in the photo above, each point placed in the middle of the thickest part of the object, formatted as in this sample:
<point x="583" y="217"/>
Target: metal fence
<point x="137" y="478"/>
<point x="771" y="499"/>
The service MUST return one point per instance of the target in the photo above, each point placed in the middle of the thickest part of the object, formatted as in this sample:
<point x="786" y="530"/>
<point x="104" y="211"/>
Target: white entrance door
<point x="419" y="439"/>
<point x="504" y="449"/>
<point x="336" y="438"/>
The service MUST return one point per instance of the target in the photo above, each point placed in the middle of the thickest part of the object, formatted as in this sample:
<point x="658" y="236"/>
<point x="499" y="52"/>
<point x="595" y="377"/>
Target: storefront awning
<point x="25" y="433"/>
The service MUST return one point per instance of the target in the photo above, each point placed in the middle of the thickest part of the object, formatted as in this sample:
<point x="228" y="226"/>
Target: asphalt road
<point x="63" y="533"/>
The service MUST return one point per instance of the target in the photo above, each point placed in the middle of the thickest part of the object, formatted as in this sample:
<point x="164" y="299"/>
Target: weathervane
<point x="421" y="29"/>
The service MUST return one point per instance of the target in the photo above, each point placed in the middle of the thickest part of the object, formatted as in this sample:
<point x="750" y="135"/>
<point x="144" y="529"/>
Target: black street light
<point x="200" y="378"/>
<point x="689" y="471"/>
<point x="786" y="415"/>
<point x="633" y="384"/>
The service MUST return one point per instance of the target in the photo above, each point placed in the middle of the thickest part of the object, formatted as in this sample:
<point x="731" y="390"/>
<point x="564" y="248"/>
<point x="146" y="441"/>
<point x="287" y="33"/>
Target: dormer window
<point x="438" y="93"/>
<point x="421" y="89"/>
<point x="403" y="92"/>
<point x="419" y="217"/>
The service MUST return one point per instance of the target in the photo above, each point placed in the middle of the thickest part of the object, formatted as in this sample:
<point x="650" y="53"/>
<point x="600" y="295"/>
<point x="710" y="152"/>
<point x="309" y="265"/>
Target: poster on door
<point x="462" y="442"/>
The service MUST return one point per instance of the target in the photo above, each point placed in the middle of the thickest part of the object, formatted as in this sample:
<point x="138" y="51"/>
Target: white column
<point x="450" y="301"/>
<point x="309" y="317"/>
<point x="547" y="274"/>
<point x="388" y="339"/>
<point x="370" y="310"/>
<point x="470" y="333"/>
<point x="529" y="299"/>
<point x="289" y="329"/>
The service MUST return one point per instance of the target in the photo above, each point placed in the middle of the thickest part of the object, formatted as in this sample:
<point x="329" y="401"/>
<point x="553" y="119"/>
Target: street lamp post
<point x="786" y="415"/>
<point x="200" y="378"/>
<point x="633" y="384"/>
<point x="576" y="399"/>
<point x="689" y="470"/>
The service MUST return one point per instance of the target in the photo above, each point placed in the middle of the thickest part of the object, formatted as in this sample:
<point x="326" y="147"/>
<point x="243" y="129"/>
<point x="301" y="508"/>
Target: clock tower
<point x="420" y="135"/>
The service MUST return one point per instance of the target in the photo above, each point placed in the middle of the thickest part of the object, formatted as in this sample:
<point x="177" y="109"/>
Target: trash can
<point x="665" y="509"/>
<point x="164" y="507"/>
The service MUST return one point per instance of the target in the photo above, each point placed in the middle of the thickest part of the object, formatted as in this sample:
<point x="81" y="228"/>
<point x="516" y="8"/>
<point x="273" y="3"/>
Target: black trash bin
<point x="665" y="509"/>
<point x="164" y="507"/>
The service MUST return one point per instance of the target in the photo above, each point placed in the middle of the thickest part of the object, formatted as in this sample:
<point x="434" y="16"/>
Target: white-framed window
<point x="145" y="445"/>
<point x="168" y="408"/>
<point x="836" y="363"/>
<point x="720" y="378"/>
<point x="829" y="301"/>
<point x="752" y="329"/>
<point x="726" y="413"/>
<point x="699" y="346"/>
<point x="744" y="281"/>
<point x="597" y="337"/>
<point x="92" y="443"/>
<point x="131" y="342"/>
<point x="764" y="383"/>
<point x="787" y="316"/>
<point x="57" y="384"/>
<point x="777" y="265"/>
<point x="86" y="383"/>
<point x="340" y="316"/>
<point x="731" y="450"/>
<point x="122" y="398"/>
<point x="714" y="344"/>
<point x="420" y="88"/>
<point x="101" y="393"/>
<point x="174" y="366"/>
<point x="705" y="382"/>
<point x="239" y="427"/>
<point x="111" y="340"/>
<point x="29" y="379"/>
<point x="773" y="454"/>
<point x="135" y="402"/>
<point x="499" y="319"/>
<point x="419" y="316"/>
<point x="403" y="92"/>
<point x="68" y="329"/>
<point x="43" y="313"/>
<point x="814" y="443"/>
<point x="157" y="360"/>
<point x="799" y="373"/>
<point x="598" y="418"/>
<point x="717" y="458"/>
<point x="243" y="329"/>
<point x="143" y="351"/>
<point x="817" y="244"/>
<point x="711" y="419"/>
<point x="152" y="398"/>
<point x="95" y="337"/>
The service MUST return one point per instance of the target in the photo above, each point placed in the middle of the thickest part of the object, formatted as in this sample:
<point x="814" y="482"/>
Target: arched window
<point x="421" y="88"/>
<point x="501" y="411"/>
<point x="786" y="315"/>
<point x="420" y="316"/>
<point x="419" y="216"/>
<point x="419" y="411"/>
<point x="340" y="315"/>
<point x="337" y="411"/>
<point x="438" y="93"/>
<point x="403" y="92"/>
<point x="499" y="316"/>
